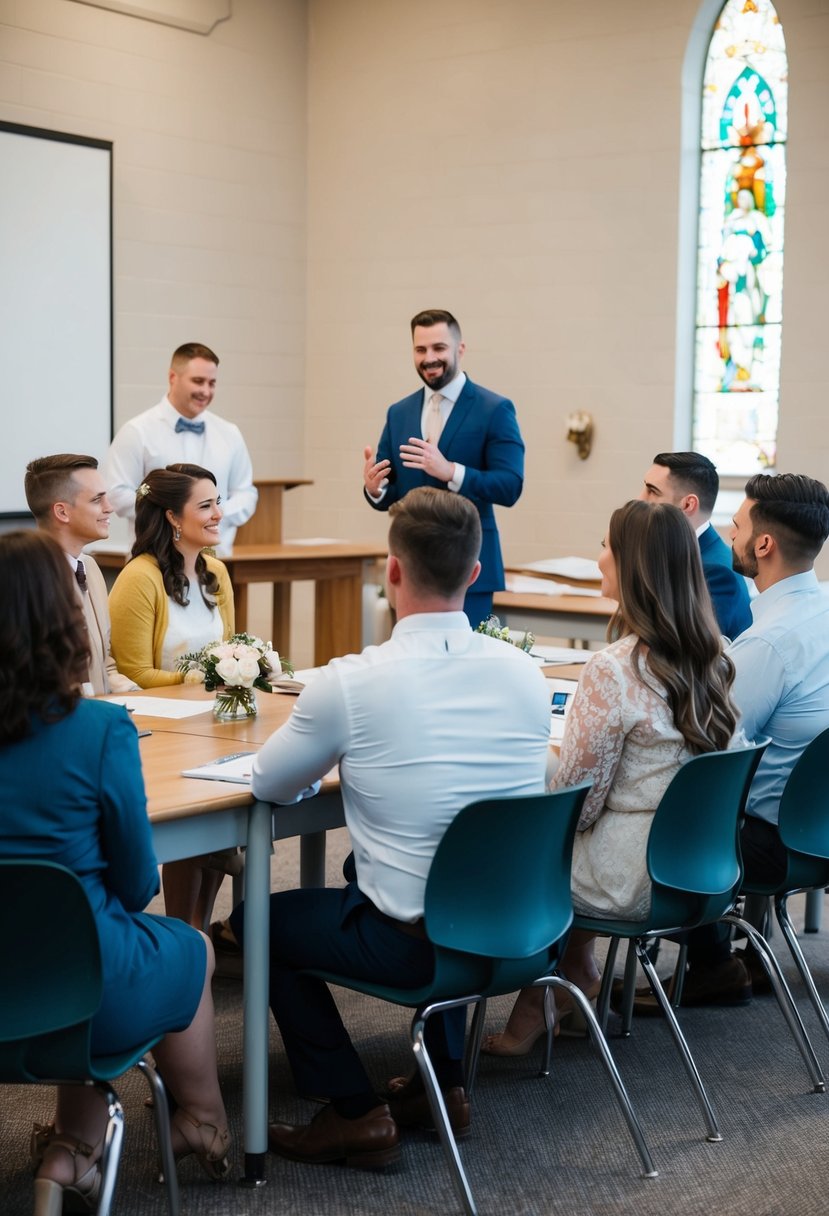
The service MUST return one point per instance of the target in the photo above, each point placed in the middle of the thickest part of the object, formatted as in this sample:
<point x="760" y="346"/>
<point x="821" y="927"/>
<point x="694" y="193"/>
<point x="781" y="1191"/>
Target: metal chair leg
<point x="713" y="1133"/>
<point x="436" y="1103"/>
<point x="161" y="1109"/>
<point x="600" y="1043"/>
<point x="113" y="1141"/>
<point x="784" y="1000"/>
<point x="784" y="920"/>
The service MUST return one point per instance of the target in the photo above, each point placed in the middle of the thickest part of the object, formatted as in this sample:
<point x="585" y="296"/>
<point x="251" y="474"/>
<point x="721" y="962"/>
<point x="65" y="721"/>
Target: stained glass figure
<point x="740" y="245"/>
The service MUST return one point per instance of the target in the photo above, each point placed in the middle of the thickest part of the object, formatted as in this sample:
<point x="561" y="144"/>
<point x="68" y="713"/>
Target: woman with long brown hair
<point x="172" y="598"/>
<point x="73" y="793"/>
<point x="656" y="696"/>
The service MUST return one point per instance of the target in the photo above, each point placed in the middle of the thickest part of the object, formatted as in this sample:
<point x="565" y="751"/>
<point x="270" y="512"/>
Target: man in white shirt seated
<point x="67" y="496"/>
<point x="181" y="430"/>
<point x="432" y="720"/>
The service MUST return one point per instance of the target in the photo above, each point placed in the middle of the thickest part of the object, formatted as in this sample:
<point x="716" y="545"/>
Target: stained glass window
<point x="740" y="246"/>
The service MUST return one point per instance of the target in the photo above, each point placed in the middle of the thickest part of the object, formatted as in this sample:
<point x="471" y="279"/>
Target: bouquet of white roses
<point x="243" y="661"/>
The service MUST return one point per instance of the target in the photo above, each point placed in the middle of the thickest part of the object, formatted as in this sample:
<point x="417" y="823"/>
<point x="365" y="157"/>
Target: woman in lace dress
<point x="655" y="697"/>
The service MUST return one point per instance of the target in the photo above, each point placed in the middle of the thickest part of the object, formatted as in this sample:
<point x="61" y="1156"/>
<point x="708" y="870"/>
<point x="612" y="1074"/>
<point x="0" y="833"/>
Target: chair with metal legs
<point x="52" y="984"/>
<point x="803" y="824"/>
<point x="497" y="910"/>
<point x="694" y="863"/>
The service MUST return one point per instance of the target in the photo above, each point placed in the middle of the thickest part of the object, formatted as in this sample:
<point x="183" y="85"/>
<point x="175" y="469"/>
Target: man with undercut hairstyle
<point x="689" y="480"/>
<point x="67" y="496"/>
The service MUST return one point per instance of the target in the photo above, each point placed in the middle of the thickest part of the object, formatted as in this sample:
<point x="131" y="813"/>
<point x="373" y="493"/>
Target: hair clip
<point x="143" y="490"/>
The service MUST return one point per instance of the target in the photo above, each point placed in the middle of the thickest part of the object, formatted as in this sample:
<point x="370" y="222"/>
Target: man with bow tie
<point x="181" y="430"/>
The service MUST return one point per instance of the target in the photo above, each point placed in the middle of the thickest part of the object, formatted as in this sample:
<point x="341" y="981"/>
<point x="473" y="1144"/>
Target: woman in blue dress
<point x="73" y="793"/>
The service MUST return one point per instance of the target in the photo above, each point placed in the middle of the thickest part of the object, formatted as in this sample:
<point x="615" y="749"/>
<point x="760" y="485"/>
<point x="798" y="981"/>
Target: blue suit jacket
<point x="482" y="434"/>
<point x="728" y="590"/>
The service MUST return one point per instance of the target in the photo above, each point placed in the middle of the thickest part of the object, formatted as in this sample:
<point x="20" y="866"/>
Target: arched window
<point x="739" y="310"/>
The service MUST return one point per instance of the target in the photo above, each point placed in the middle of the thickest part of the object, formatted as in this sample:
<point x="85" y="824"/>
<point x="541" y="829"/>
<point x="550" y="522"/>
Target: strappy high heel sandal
<point x="81" y="1194"/>
<point x="206" y="1141"/>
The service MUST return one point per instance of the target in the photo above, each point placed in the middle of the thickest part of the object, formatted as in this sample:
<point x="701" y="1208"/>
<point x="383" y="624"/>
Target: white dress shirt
<point x="150" y="441"/>
<point x="435" y="718"/>
<point x="450" y="393"/>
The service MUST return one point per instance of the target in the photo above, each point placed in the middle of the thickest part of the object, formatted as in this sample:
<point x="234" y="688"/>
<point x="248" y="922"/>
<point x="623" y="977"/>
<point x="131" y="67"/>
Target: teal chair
<point x="694" y="864"/>
<point x="498" y="911"/>
<point x="803" y="824"/>
<point x="51" y="967"/>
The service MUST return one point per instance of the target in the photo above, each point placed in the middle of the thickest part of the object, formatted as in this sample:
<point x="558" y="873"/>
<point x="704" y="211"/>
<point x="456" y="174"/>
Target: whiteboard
<point x="55" y="300"/>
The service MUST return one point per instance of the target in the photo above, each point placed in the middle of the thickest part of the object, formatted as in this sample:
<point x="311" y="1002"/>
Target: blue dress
<point x="73" y="792"/>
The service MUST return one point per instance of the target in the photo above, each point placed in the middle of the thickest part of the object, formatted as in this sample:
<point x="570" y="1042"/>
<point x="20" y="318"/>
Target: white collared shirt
<point x="435" y="718"/>
<point x="450" y="393"/>
<point x="150" y="441"/>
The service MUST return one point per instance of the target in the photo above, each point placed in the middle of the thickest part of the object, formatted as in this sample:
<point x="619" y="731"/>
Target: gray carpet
<point x="538" y="1146"/>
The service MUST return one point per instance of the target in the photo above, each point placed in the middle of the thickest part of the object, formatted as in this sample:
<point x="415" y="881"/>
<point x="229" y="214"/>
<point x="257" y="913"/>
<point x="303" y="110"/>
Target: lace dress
<point x="620" y="734"/>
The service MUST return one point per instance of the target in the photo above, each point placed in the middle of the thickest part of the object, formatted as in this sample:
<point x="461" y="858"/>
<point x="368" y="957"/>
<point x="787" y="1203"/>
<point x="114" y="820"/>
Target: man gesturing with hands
<point x="454" y="435"/>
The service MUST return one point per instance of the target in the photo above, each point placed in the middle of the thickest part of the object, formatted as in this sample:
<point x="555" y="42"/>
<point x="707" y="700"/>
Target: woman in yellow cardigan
<point x="169" y="599"/>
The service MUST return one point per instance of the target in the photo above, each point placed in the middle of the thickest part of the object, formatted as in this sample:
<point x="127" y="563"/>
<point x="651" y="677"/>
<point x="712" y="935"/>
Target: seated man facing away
<point x="434" y="719"/>
<point x="68" y="498"/>
<point x="781" y="689"/>
<point x="689" y="481"/>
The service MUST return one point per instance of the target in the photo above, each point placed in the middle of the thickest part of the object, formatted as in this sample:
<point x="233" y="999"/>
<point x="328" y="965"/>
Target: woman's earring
<point x="176" y="533"/>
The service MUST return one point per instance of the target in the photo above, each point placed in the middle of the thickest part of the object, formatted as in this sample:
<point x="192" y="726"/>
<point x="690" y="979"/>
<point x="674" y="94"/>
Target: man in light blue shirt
<point x="781" y="689"/>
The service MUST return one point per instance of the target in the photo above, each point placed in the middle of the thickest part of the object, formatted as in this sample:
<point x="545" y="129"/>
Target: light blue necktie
<point x="184" y="424"/>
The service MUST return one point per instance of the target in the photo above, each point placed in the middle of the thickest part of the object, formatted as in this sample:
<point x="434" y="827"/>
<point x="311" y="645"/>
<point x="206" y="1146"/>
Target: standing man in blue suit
<point x="454" y="435"/>
<point x="690" y="482"/>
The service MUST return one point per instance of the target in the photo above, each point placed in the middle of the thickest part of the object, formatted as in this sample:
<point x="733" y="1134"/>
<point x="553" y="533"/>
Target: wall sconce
<point x="580" y="432"/>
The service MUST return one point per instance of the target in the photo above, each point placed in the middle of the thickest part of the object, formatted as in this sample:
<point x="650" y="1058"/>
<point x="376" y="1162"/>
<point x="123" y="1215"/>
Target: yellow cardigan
<point x="138" y="608"/>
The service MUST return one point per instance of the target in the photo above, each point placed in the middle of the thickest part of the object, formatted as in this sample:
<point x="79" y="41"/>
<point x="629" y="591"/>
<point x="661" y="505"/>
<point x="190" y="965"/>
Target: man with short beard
<point x="453" y="435"/>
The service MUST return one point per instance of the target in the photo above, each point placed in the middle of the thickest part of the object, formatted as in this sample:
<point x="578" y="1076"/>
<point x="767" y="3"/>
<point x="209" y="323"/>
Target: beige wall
<point x="519" y="164"/>
<point x="209" y="192"/>
<point x="515" y="163"/>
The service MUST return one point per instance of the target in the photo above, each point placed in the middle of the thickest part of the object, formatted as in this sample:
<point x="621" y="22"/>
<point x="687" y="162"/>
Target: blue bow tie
<point x="184" y="424"/>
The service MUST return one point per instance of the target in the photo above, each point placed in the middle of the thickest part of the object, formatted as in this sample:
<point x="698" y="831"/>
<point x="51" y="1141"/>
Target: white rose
<point x="194" y="676"/>
<point x="272" y="659"/>
<point x="228" y="670"/>
<point x="248" y="670"/>
<point x="221" y="651"/>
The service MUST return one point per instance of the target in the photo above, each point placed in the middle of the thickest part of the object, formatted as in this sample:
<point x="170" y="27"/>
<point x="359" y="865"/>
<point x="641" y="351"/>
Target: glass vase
<point x="234" y="703"/>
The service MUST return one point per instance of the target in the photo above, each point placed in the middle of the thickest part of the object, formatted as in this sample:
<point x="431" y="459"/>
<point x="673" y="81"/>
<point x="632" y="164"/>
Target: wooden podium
<point x="265" y="527"/>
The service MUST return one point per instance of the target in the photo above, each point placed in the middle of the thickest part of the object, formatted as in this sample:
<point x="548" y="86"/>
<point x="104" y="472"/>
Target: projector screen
<point x="55" y="300"/>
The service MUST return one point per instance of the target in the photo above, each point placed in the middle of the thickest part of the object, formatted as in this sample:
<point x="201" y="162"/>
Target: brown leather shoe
<point x="410" y="1108"/>
<point x="369" y="1142"/>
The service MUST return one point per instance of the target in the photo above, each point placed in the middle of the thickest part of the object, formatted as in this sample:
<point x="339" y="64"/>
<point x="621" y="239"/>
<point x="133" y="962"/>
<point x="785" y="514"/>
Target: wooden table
<point x="190" y="817"/>
<point x="581" y="617"/>
<point x="337" y="570"/>
<point x="529" y="572"/>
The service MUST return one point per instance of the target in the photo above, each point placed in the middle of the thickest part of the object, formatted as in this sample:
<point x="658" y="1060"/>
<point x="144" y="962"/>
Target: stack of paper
<point x="582" y="568"/>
